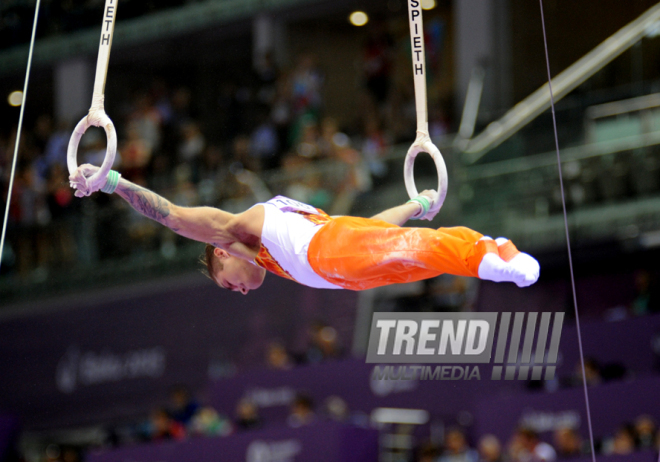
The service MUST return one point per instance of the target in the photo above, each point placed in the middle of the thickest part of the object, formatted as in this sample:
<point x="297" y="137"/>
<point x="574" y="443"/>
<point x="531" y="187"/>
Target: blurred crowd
<point x="526" y="445"/>
<point x="267" y="133"/>
<point x="276" y="139"/>
<point x="184" y="417"/>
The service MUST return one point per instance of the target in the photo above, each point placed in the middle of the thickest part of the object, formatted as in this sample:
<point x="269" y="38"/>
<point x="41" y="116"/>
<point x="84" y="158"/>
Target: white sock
<point x="523" y="269"/>
<point x="526" y="269"/>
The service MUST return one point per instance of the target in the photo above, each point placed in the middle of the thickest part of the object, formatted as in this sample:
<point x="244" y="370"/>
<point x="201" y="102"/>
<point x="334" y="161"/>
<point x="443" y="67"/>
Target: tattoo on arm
<point x="149" y="204"/>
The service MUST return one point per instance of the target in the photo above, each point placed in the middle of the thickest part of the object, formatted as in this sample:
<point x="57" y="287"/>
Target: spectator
<point x="592" y="373"/>
<point x="624" y="441"/>
<point x="355" y="178"/>
<point x="374" y="147"/>
<point x="646" y="300"/>
<point x="336" y="408"/>
<point x="247" y="415"/>
<point x="163" y="427"/>
<point x="62" y="208"/>
<point x="526" y="447"/>
<point x="184" y="407"/>
<point x="490" y="449"/>
<point x="428" y="453"/>
<point x="185" y="193"/>
<point x="377" y="57"/>
<point x="324" y="344"/>
<point x="136" y="154"/>
<point x="306" y="82"/>
<point x="567" y="443"/>
<point x="146" y="120"/>
<point x="192" y="145"/>
<point x="31" y="214"/>
<point x="208" y="422"/>
<point x="264" y="143"/>
<point x="302" y="411"/>
<point x="646" y="430"/>
<point x="307" y="145"/>
<point x="56" y="147"/>
<point x="277" y="357"/>
<point x="305" y="183"/>
<point x="457" y="449"/>
<point x="281" y="112"/>
<point x="240" y="152"/>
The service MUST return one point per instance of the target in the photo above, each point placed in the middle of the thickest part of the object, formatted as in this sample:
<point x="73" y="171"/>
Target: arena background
<point x="115" y="347"/>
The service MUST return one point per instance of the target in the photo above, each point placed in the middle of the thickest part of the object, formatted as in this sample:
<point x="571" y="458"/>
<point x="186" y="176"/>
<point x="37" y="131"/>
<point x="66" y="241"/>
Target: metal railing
<point x="539" y="101"/>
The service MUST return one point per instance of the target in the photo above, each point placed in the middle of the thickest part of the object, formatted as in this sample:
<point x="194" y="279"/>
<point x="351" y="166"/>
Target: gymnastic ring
<point x="425" y="145"/>
<point x="97" y="119"/>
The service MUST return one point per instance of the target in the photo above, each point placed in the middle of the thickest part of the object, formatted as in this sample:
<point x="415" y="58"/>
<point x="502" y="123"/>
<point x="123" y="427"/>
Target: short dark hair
<point x="211" y="262"/>
<point x="304" y="400"/>
<point x="528" y="433"/>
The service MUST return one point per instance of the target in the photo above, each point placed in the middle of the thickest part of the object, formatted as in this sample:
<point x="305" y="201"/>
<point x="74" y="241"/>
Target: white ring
<point x="409" y="172"/>
<point x="98" y="120"/>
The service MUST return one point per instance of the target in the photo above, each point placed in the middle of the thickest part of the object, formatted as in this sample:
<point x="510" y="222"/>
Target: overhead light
<point x="358" y="18"/>
<point x="428" y="4"/>
<point x="15" y="98"/>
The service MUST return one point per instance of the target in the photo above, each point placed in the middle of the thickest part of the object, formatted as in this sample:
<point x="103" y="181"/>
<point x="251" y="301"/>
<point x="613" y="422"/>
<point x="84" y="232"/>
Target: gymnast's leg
<point x="359" y="253"/>
<point x="464" y="252"/>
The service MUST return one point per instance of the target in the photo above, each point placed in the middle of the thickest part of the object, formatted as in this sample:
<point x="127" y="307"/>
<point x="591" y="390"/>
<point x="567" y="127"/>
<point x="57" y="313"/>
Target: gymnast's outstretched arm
<point x="400" y="214"/>
<point x="204" y="224"/>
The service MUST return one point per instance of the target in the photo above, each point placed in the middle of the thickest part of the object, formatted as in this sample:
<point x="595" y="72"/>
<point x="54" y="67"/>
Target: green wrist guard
<point x="424" y="202"/>
<point x="111" y="182"/>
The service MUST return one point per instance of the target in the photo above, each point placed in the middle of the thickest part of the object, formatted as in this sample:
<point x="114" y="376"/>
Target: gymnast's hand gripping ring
<point x="423" y="142"/>
<point x="97" y="116"/>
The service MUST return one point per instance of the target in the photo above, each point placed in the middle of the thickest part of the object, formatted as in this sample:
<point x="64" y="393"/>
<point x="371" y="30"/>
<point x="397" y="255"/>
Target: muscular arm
<point x="203" y="224"/>
<point x="399" y="215"/>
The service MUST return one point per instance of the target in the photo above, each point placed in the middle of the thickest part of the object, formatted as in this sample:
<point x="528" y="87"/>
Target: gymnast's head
<point x="231" y="272"/>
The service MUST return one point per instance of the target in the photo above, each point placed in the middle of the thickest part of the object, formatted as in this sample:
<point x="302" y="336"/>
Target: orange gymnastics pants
<point x="362" y="253"/>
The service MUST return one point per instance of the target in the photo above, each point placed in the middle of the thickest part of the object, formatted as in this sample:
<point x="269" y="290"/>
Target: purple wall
<point x="320" y="442"/>
<point x="595" y="294"/>
<point x="627" y="342"/>
<point x="611" y="405"/>
<point x="106" y="359"/>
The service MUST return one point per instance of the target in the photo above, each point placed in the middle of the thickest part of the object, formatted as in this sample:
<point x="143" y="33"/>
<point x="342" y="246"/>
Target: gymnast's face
<point x="237" y="274"/>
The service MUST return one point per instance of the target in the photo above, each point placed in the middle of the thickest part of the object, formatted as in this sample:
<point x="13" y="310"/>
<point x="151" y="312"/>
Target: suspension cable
<point x="568" y="241"/>
<point x="18" y="131"/>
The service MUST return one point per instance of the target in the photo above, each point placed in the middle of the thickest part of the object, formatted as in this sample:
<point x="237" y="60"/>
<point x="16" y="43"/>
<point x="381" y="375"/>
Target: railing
<point x="612" y="190"/>
<point x="536" y="103"/>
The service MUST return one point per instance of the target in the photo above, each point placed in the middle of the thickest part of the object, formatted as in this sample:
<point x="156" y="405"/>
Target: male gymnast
<point x="304" y="244"/>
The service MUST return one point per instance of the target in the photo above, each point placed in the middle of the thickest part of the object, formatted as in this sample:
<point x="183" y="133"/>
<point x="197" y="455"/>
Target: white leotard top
<point x="289" y="226"/>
